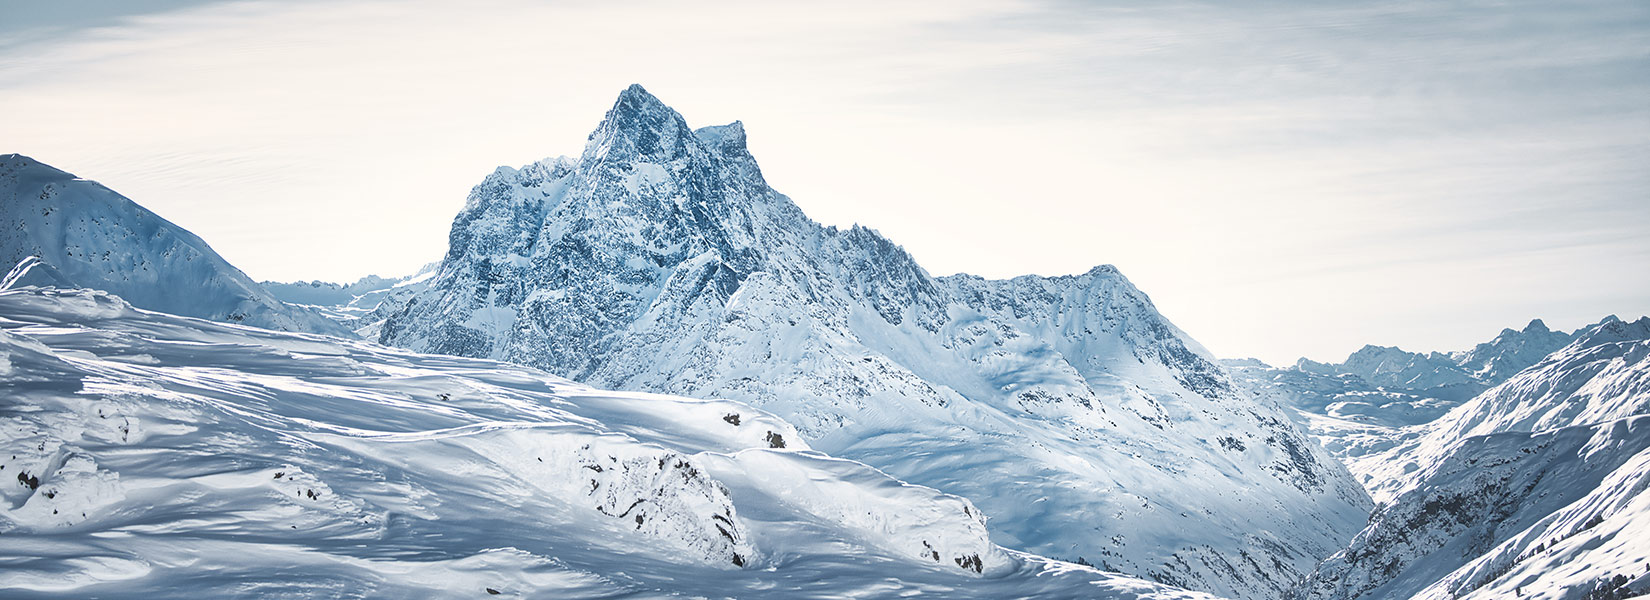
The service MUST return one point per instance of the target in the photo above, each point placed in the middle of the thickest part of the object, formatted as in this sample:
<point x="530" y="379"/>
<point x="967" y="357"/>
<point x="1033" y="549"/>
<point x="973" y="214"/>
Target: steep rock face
<point x="1067" y="407"/>
<point x="93" y="237"/>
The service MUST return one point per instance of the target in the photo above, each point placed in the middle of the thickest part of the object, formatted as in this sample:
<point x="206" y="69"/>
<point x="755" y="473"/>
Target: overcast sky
<point x="1283" y="178"/>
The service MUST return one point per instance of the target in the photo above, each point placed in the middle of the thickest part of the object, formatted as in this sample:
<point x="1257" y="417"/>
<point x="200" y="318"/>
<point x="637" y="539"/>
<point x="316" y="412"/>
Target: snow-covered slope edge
<point x="1603" y="375"/>
<point x="1532" y="488"/>
<point x="1067" y="407"/>
<point x="160" y="456"/>
<point x="1553" y="514"/>
<point x="93" y="237"/>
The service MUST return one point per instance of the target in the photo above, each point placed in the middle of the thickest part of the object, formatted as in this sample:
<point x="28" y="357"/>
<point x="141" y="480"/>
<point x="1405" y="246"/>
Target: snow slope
<point x="92" y="237"/>
<point x="150" y="455"/>
<point x="1534" y="488"/>
<point x="1074" y="413"/>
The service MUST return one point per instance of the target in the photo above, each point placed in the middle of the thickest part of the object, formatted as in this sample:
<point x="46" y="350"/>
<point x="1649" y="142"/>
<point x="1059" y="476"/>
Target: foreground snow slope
<point x="90" y="236"/>
<point x="1084" y="421"/>
<point x="149" y="455"/>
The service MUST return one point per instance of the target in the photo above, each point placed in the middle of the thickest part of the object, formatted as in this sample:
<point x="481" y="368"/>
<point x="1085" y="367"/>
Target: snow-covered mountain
<point x="1603" y="375"/>
<point x="84" y="234"/>
<point x="1369" y="402"/>
<point x="362" y="305"/>
<point x="324" y="293"/>
<point x="1488" y="363"/>
<point x="1072" y="412"/>
<point x="1551" y="514"/>
<point x="159" y="456"/>
<point x="1534" y="488"/>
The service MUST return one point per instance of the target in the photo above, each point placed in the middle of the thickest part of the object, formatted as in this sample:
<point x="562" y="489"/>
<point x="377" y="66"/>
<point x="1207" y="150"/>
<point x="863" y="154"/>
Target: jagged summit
<point x="1613" y="329"/>
<point x="730" y="138"/>
<point x="639" y="126"/>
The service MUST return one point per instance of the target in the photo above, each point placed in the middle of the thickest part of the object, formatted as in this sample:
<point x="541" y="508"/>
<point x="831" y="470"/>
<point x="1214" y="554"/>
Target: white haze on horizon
<point x="1284" y="179"/>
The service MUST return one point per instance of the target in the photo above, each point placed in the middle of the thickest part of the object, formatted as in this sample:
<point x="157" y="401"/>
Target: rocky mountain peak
<point x="640" y="127"/>
<point x="1613" y="330"/>
<point x="661" y="261"/>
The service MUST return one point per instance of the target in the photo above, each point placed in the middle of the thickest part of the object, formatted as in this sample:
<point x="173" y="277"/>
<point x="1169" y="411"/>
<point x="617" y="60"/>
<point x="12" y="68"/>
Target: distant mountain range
<point x="1387" y="386"/>
<point x="1534" y="488"/>
<point x="1365" y="404"/>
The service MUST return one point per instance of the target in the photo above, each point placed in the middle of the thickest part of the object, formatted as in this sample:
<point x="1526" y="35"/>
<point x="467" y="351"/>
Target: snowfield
<point x="151" y="455"/>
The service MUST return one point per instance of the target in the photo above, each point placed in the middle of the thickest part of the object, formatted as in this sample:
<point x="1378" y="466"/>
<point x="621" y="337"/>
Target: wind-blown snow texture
<point x="92" y="237"/>
<point x="1534" y="488"/>
<point x="155" y="456"/>
<point x="1078" y="417"/>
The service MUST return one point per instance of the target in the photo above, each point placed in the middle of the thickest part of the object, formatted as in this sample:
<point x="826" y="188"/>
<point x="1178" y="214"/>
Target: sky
<point x="1284" y="179"/>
